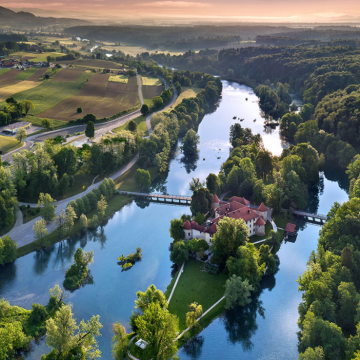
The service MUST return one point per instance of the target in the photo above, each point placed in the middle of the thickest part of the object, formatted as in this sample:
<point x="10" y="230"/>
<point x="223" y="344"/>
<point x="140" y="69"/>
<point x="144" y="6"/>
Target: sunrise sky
<point x="251" y="10"/>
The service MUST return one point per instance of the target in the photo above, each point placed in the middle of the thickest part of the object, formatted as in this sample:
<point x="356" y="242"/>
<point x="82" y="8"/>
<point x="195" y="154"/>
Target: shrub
<point x="79" y="110"/>
<point x="38" y="314"/>
<point x="94" y="222"/>
<point x="132" y="126"/>
<point x="211" y="269"/>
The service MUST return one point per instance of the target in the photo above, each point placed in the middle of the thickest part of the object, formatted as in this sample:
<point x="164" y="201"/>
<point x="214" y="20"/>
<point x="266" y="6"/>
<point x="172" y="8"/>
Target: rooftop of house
<point x="290" y="227"/>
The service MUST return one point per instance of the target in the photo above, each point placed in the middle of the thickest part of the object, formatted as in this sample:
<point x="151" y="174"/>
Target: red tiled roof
<point x="262" y="207"/>
<point x="211" y="229"/>
<point x="187" y="225"/>
<point x="234" y="205"/>
<point x="196" y="226"/>
<point x="215" y="199"/>
<point x="240" y="200"/>
<point x="244" y="213"/>
<point x="290" y="227"/>
<point x="260" y="221"/>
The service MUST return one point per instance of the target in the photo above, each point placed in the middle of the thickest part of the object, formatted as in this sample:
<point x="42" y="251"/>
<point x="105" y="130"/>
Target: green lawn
<point x="36" y="56"/>
<point x="49" y="93"/>
<point x="3" y="71"/>
<point x="140" y="122"/>
<point x="126" y="181"/>
<point x="8" y="143"/>
<point x="24" y="75"/>
<point x="114" y="204"/>
<point x="195" y="285"/>
<point x="36" y="121"/>
<point x="186" y="92"/>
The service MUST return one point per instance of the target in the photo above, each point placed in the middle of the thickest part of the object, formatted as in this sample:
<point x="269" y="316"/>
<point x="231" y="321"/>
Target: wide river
<point x="267" y="329"/>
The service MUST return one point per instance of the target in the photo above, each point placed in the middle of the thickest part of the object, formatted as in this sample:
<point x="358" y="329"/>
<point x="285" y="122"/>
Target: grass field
<point x="140" y="122"/>
<point x="8" y="143"/>
<point x="151" y="80"/>
<point x="187" y="92"/>
<point x="8" y="91"/>
<point x="195" y="285"/>
<point x="103" y="64"/>
<point x="119" y="78"/>
<point x="50" y="93"/>
<point x="37" y="74"/>
<point x="98" y="97"/>
<point x="24" y="75"/>
<point x="36" y="56"/>
<point x="67" y="74"/>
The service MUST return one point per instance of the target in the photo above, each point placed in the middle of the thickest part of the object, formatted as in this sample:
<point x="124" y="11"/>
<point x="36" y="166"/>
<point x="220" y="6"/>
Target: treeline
<point x="52" y="168"/>
<point x="9" y="47"/>
<point x="329" y="314"/>
<point x="13" y="37"/>
<point x="167" y="127"/>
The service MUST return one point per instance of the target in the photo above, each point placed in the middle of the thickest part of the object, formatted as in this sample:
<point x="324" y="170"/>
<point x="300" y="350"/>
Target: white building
<point x="237" y="208"/>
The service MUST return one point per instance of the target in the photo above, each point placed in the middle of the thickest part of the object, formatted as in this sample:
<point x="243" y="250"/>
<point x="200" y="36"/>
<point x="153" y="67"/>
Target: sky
<point x="245" y="10"/>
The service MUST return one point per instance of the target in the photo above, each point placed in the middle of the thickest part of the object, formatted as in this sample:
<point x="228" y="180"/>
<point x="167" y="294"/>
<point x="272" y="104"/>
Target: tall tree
<point x="40" y="230"/>
<point x="90" y="130"/>
<point x="195" y="311"/>
<point x="21" y="135"/>
<point x="237" y="292"/>
<point x="47" y="208"/>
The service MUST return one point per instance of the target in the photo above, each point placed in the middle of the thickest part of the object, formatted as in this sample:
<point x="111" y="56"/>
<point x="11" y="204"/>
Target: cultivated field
<point x="50" y="93"/>
<point x="119" y="78"/>
<point x="35" y="56"/>
<point x="37" y="74"/>
<point x="151" y="80"/>
<point x="67" y="75"/>
<point x="25" y="74"/>
<point x="103" y="64"/>
<point x="150" y="91"/>
<point x="8" y="78"/>
<point x="8" y="91"/>
<point x="98" y="97"/>
<point x="3" y="71"/>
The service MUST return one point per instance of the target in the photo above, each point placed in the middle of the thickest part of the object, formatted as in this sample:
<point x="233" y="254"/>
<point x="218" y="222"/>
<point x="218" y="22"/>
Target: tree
<point x="47" y="208"/>
<point x="231" y="233"/>
<point x="213" y="183"/>
<point x="307" y="111"/>
<point x="143" y="178"/>
<point x="40" y="230"/>
<point x="8" y="250"/>
<point x="27" y="106"/>
<point x="90" y="130"/>
<point x="159" y="328"/>
<point x="60" y="330"/>
<point x="144" y="109"/>
<point x="89" y="117"/>
<point x="201" y="201"/>
<point x="79" y="110"/>
<point x="264" y="163"/>
<point x="237" y="292"/>
<point x="196" y="184"/>
<point x="102" y="205"/>
<point x="12" y="338"/>
<point x="21" y="135"/>
<point x="232" y="182"/>
<point x="64" y="184"/>
<point x="195" y="311"/>
<point x="132" y="126"/>
<point x="64" y="335"/>
<point x="190" y="142"/>
<point x="69" y="218"/>
<point x="46" y="124"/>
<point x="57" y="295"/>
<point x="66" y="160"/>
<point x="180" y="253"/>
<point x="177" y="229"/>
<point x="150" y="296"/>
<point x="157" y="102"/>
<point x="313" y="354"/>
<point x="83" y="222"/>
<point x="120" y="342"/>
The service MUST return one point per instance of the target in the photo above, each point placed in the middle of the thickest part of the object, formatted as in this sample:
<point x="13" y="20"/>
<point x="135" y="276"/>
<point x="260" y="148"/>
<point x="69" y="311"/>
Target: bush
<point x="132" y="126"/>
<point x="38" y="314"/>
<point x="79" y="110"/>
<point x="8" y="250"/>
<point x="144" y="109"/>
<point x="211" y="269"/>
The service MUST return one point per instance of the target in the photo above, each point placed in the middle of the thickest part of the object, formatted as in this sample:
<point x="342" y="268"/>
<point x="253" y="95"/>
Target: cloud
<point x="174" y="4"/>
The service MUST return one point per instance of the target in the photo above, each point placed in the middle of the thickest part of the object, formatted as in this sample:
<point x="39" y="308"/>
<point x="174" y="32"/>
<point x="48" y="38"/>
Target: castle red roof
<point x="187" y="225"/>
<point x="211" y="229"/>
<point x="290" y="227"/>
<point x="260" y="221"/>
<point x="240" y="200"/>
<point x="262" y="207"/>
<point x="244" y="213"/>
<point x="196" y="226"/>
<point x="215" y="199"/>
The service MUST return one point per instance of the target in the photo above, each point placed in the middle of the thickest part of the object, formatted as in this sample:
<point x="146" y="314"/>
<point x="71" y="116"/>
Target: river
<point x="240" y="333"/>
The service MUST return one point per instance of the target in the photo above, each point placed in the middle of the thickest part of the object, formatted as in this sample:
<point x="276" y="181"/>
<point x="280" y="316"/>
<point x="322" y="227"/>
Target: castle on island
<point x="237" y="208"/>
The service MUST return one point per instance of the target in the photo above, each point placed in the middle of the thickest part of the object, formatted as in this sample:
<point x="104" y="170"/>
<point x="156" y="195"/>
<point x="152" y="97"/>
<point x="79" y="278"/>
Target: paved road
<point x="23" y="234"/>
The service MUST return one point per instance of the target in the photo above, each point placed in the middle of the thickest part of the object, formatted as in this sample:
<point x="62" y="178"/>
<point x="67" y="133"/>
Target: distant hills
<point x="26" y="20"/>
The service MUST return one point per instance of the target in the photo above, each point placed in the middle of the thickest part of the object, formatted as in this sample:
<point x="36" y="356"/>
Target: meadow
<point x="92" y="63"/>
<point x="24" y="75"/>
<point x="119" y="78"/>
<point x="150" y="80"/>
<point x="8" y="143"/>
<point x="36" y="56"/>
<point x="8" y="91"/>
<point x="187" y="92"/>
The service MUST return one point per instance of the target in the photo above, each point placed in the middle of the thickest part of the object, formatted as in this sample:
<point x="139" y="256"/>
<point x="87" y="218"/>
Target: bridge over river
<point x="173" y="199"/>
<point x="317" y="218"/>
